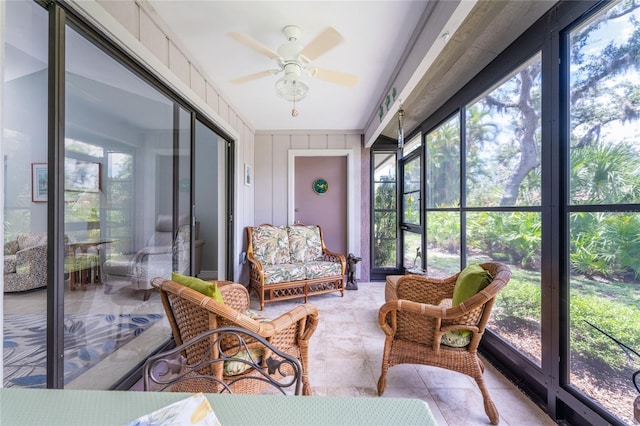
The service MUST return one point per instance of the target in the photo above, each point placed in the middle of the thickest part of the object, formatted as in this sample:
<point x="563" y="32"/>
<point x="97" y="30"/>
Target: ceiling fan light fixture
<point x="291" y="89"/>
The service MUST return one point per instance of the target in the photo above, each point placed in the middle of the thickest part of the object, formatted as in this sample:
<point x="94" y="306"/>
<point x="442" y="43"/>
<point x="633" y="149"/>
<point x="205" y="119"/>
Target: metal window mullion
<point x="55" y="206"/>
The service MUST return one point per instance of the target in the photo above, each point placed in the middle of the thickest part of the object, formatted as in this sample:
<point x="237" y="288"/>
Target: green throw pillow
<point x="201" y="286"/>
<point x="233" y="368"/>
<point x="471" y="280"/>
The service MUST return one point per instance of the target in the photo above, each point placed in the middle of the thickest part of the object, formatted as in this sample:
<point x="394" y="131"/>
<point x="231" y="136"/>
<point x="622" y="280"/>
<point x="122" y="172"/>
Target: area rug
<point x="88" y="339"/>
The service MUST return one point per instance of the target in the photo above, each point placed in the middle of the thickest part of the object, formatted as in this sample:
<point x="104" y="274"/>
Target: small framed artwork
<point x="247" y="175"/>
<point x="39" y="182"/>
<point x="82" y="176"/>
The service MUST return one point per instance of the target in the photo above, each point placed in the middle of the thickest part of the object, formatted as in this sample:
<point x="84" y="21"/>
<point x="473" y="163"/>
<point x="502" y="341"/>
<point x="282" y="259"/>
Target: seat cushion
<point x="207" y="288"/>
<point x="470" y="281"/>
<point x="304" y="243"/>
<point x="270" y="244"/>
<point x="319" y="269"/>
<point x="274" y="274"/>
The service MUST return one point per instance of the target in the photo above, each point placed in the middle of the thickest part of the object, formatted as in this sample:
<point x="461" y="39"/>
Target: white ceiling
<point x="375" y="36"/>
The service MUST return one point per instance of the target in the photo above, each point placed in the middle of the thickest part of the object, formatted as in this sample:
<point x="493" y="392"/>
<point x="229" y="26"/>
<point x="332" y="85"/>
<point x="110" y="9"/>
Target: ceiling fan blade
<point x="254" y="44"/>
<point x="255" y="76"/>
<point x="325" y="41"/>
<point x="336" y="77"/>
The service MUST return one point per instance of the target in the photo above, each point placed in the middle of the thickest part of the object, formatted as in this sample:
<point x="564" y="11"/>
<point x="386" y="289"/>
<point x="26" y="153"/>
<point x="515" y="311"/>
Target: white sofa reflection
<point x="136" y="270"/>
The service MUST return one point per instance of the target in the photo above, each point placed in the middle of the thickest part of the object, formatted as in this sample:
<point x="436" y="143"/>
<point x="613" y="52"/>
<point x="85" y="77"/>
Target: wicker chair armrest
<point x="254" y="263"/>
<point x="329" y="256"/>
<point x="307" y="313"/>
<point x="409" y="306"/>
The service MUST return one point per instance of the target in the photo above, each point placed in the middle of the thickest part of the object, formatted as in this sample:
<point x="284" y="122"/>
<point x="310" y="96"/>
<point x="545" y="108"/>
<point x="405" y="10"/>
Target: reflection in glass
<point x="119" y="221"/>
<point x="503" y="134"/>
<point x="210" y="202"/>
<point x="24" y="202"/>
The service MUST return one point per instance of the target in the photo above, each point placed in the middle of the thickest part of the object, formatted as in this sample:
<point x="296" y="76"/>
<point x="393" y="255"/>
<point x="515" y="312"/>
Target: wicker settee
<point x="289" y="262"/>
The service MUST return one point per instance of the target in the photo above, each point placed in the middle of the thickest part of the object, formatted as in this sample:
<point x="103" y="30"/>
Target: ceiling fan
<point x="294" y="60"/>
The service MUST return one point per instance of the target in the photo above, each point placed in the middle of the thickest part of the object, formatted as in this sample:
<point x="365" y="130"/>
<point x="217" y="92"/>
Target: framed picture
<point x="247" y="175"/>
<point x="82" y="176"/>
<point x="39" y="182"/>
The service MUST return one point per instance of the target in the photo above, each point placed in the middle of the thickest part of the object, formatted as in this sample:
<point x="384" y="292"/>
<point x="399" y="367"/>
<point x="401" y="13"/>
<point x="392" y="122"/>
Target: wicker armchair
<point x="415" y="322"/>
<point x="225" y="349"/>
<point x="191" y="313"/>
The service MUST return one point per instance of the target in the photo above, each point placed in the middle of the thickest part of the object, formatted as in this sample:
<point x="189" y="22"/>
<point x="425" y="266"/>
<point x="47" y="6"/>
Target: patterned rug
<point x="89" y="338"/>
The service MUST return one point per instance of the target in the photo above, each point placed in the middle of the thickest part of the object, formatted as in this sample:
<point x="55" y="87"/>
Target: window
<point x="603" y="210"/>
<point x="384" y="225"/>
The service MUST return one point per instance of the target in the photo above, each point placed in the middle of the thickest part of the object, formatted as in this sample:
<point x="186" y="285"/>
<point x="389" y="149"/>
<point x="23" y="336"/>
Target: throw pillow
<point x="233" y="368"/>
<point x="201" y="286"/>
<point x="471" y="280"/>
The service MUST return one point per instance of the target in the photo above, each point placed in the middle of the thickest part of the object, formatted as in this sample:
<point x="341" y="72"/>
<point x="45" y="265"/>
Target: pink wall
<point x="329" y="210"/>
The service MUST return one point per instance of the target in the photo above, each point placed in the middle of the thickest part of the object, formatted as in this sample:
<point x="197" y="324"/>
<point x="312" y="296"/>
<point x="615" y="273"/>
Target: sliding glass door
<point x="25" y="201"/>
<point x="121" y="210"/>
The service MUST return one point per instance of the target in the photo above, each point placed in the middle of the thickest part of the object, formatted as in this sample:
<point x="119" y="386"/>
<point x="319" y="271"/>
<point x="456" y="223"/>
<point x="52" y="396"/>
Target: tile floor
<point x="346" y="354"/>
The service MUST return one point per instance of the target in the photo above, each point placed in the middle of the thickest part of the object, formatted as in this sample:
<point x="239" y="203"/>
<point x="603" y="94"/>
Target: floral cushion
<point x="304" y="243"/>
<point x="274" y="274"/>
<point x="253" y="356"/>
<point x="319" y="269"/>
<point x="257" y="316"/>
<point x="270" y="244"/>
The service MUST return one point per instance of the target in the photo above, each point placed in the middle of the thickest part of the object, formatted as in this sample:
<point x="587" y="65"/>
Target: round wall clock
<point x="320" y="186"/>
